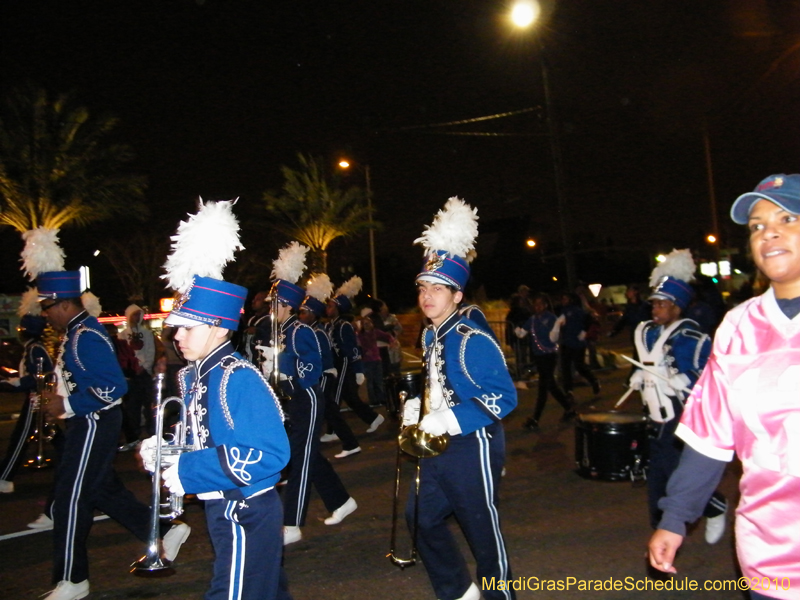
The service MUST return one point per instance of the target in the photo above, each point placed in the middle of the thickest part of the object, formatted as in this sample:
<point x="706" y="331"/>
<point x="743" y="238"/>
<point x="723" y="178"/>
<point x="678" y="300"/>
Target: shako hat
<point x="670" y="279"/>
<point x="449" y="244"/>
<point x="343" y="298"/>
<point x="318" y="290"/>
<point x="201" y="248"/>
<point x="286" y="271"/>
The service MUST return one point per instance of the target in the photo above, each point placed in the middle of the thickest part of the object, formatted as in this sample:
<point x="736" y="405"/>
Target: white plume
<point x="678" y="264"/>
<point x="203" y="244"/>
<point x="42" y="252"/>
<point x="454" y="229"/>
<point x="320" y="287"/>
<point x="351" y="287"/>
<point x="29" y="304"/>
<point x="291" y="263"/>
<point x="91" y="303"/>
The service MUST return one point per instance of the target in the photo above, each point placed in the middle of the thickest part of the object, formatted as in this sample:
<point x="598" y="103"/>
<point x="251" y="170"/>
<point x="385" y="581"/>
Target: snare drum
<point x="611" y="446"/>
<point x="409" y="382"/>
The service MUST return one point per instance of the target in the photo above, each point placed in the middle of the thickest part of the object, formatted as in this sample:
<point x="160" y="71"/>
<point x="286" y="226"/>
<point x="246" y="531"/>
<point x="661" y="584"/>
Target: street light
<point x="523" y="15"/>
<point x="346" y="165"/>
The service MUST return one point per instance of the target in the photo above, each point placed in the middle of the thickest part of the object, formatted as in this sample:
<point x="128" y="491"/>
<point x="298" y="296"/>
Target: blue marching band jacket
<point x="301" y="356"/>
<point x="85" y="344"/>
<point x="236" y="421"/>
<point x="472" y="372"/>
<point x="345" y="345"/>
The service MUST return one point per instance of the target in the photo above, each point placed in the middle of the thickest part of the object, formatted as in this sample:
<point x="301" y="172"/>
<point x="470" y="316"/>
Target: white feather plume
<point x="454" y="229"/>
<point x="41" y="252"/>
<point x="291" y="262"/>
<point x="320" y="287"/>
<point x="678" y="264"/>
<point x="29" y="303"/>
<point x="91" y="303"/>
<point x="351" y="287"/>
<point x="203" y="244"/>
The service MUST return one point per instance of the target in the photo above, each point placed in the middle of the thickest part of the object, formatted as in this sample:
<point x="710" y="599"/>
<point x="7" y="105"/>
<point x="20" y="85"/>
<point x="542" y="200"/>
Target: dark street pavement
<point x="558" y="525"/>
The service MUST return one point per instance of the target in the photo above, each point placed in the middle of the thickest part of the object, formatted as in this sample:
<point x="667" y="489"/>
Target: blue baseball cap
<point x="441" y="267"/>
<point x="59" y="285"/>
<point x="209" y="302"/>
<point x="783" y="190"/>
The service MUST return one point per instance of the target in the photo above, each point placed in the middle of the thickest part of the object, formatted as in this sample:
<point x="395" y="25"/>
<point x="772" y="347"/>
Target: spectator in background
<point x="368" y="337"/>
<point x="140" y="390"/>
<point x="391" y="353"/>
<point x="636" y="310"/>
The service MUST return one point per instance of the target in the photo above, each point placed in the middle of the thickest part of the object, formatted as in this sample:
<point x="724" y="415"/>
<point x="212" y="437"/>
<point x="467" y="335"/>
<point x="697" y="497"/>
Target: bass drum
<point x="611" y="446"/>
<point x="409" y="382"/>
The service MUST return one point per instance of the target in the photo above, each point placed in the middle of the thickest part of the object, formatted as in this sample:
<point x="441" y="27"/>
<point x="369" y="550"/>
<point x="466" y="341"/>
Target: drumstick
<point x="624" y="397"/>
<point x="651" y="371"/>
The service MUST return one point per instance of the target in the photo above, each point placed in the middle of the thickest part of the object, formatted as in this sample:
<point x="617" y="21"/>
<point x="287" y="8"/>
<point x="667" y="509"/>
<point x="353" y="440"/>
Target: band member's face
<point x="539" y="306"/>
<point x="55" y="313"/>
<point x="306" y="317"/>
<point x="775" y="245"/>
<point x="197" y="342"/>
<point x="331" y="310"/>
<point x="665" y="312"/>
<point x="437" y="301"/>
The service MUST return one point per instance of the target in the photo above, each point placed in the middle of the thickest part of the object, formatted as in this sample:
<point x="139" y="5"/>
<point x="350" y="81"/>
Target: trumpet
<point x="45" y="382"/>
<point x="152" y="563"/>
<point x="417" y="444"/>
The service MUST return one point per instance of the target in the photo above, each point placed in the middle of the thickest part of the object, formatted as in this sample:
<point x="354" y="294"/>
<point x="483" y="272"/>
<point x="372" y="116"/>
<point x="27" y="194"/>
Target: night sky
<point x="214" y="96"/>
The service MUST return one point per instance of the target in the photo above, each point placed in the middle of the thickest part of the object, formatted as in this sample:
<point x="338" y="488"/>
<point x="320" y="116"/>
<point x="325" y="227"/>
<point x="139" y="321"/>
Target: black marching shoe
<point x="531" y="423"/>
<point x="568" y="415"/>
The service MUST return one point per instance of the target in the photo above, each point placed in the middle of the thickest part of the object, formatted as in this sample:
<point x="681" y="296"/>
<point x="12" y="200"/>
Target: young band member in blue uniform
<point x="674" y="352"/>
<point x="468" y="391"/>
<point x="239" y="444"/>
<point x="313" y="308"/>
<point x="348" y="358"/>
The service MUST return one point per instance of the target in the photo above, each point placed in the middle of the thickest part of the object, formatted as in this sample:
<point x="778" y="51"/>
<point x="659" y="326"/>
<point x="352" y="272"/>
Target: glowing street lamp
<point x="530" y="243"/>
<point x="523" y="15"/>
<point x="344" y="164"/>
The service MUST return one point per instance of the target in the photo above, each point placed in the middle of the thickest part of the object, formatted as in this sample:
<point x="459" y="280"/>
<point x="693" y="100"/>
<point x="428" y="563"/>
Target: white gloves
<point x="267" y="359"/>
<point x="582" y="335"/>
<point x="171" y="479"/>
<point x="360" y="378"/>
<point x="636" y="381"/>
<point x="520" y="332"/>
<point x="147" y="450"/>
<point x="560" y="321"/>
<point x="439" y="422"/>
<point x="411" y="411"/>
<point x="680" y="384"/>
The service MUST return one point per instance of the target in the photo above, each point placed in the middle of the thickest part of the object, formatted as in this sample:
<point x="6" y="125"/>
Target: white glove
<point x="680" y="384"/>
<point x="435" y="423"/>
<point x="267" y="359"/>
<point x="560" y="321"/>
<point x="333" y="372"/>
<point x="582" y="335"/>
<point x="636" y="381"/>
<point x="360" y="378"/>
<point x="411" y="411"/>
<point x="520" y="332"/>
<point x="147" y="450"/>
<point x="172" y="480"/>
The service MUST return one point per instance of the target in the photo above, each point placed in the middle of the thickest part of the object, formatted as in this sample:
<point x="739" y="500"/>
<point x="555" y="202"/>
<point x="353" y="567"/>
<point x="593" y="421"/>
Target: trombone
<point x="152" y="563"/>
<point x="45" y="382"/>
<point x="417" y="444"/>
<point x="275" y="332"/>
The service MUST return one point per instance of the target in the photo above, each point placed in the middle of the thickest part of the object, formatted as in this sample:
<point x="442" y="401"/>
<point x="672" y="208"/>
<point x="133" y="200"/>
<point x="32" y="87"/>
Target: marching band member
<point x="468" y="392"/>
<point x="90" y="386"/>
<point x="745" y="402"/>
<point x="235" y="420"/>
<point x="675" y="351"/>
<point x="348" y="359"/>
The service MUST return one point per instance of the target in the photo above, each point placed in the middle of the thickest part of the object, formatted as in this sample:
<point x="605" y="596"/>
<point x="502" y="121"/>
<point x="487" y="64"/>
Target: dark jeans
<point x="546" y="366"/>
<point x="574" y="357"/>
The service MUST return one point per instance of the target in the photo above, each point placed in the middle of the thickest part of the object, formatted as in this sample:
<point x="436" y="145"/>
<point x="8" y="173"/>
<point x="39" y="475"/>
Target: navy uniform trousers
<point x="308" y="466"/>
<point x="446" y="491"/>
<point x="248" y="544"/>
<point x="86" y="480"/>
<point x="347" y="390"/>
<point x="333" y="414"/>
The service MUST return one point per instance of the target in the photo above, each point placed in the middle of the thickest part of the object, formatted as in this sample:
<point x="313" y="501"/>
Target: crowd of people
<point x="263" y="392"/>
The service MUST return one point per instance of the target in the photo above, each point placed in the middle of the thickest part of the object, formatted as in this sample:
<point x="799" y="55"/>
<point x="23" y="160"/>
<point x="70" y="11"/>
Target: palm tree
<point x="314" y="210"/>
<point x="55" y="167"/>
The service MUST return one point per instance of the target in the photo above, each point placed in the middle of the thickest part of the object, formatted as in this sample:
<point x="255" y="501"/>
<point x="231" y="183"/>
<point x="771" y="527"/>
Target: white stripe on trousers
<point x="302" y="497"/>
<point x="69" y="546"/>
<point x="21" y="443"/>
<point x="488" y="487"/>
<point x="238" y="552"/>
